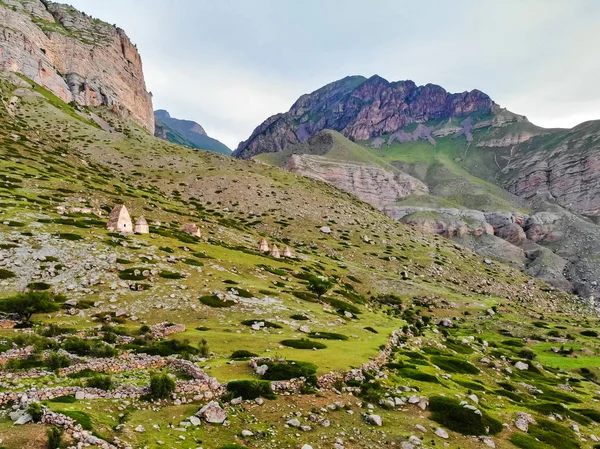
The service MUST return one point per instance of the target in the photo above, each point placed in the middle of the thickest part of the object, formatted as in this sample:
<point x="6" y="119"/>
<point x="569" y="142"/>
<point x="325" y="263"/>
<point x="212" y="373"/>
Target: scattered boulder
<point x="212" y="413"/>
<point x="441" y="433"/>
<point x="375" y="420"/>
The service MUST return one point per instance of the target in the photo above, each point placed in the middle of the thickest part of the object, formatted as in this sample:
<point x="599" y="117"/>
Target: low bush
<point x="240" y="292"/>
<point x="35" y="410"/>
<point x="193" y="262"/>
<point x="215" y="301"/>
<point x="299" y="317"/>
<point x="69" y="236"/>
<point x="56" y="361"/>
<point x="54" y="435"/>
<point x="161" y="387"/>
<point x="458" y="347"/>
<point x="415" y="374"/>
<point x="454" y="365"/>
<point x="303" y="343"/>
<point x="92" y="348"/>
<point x="132" y="274"/>
<point x="554" y="434"/>
<point x="341" y="306"/>
<point x="70" y="399"/>
<point x="170" y="275"/>
<point x="99" y="381"/>
<point x="589" y="333"/>
<point x="451" y="414"/>
<point x="242" y="354"/>
<point x="594" y="415"/>
<point x="289" y="370"/>
<point x="305" y="296"/>
<point x="81" y="417"/>
<point x="266" y="323"/>
<point x="372" y="330"/>
<point x="6" y="274"/>
<point x="38" y="286"/>
<point x="327" y="336"/>
<point x="250" y="389"/>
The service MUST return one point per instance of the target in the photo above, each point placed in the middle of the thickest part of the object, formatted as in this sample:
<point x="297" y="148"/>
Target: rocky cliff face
<point x="562" y="167"/>
<point x="76" y="57"/>
<point x="360" y="109"/>
<point x="371" y="184"/>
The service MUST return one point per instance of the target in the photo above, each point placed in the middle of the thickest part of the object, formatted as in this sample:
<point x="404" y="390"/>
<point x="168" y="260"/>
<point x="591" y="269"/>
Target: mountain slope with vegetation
<point x="62" y="174"/>
<point x="185" y="132"/>
<point x="482" y="175"/>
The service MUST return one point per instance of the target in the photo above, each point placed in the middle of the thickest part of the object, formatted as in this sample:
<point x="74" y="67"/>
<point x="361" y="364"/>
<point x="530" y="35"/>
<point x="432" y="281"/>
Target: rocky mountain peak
<point x="361" y="109"/>
<point x="78" y="58"/>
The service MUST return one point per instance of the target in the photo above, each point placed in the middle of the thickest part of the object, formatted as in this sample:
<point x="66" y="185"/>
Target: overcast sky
<point x="230" y="64"/>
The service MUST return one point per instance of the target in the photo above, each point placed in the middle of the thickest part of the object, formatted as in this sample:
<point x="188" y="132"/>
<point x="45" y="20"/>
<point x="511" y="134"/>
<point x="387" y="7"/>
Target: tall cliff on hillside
<point x="78" y="58"/>
<point x="360" y="109"/>
<point x="185" y="132"/>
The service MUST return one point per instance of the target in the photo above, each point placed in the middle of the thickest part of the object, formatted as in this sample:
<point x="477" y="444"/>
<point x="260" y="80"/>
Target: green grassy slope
<point x="397" y="278"/>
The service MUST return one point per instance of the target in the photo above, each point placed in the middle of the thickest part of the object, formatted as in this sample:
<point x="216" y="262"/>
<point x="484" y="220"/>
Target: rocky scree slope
<point x="76" y="57"/>
<point x="185" y="132"/>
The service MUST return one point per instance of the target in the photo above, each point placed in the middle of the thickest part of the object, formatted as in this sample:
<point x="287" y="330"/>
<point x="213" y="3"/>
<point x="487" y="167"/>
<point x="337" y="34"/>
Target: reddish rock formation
<point x="360" y="108"/>
<point x="76" y="57"/>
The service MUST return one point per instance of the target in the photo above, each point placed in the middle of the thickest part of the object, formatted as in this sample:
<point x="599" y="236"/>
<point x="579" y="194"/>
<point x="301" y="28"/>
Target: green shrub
<point x="54" y="435"/>
<point x="241" y="354"/>
<point x="70" y="399"/>
<point x="170" y="275"/>
<point x="250" y="389"/>
<point x="449" y="413"/>
<point x="69" y="236"/>
<point x="303" y="343"/>
<point x="161" y="387"/>
<point x="341" y="306"/>
<point x="589" y="333"/>
<point x="454" y="365"/>
<point x="458" y="347"/>
<point x="372" y="330"/>
<point x="38" y="286"/>
<point x="267" y="323"/>
<point x="81" y="417"/>
<point x="327" y="336"/>
<point x="299" y="317"/>
<point x="305" y="296"/>
<point x="241" y="292"/>
<point x="470" y="385"/>
<point x="554" y="434"/>
<point x="6" y="274"/>
<point x="232" y="446"/>
<point x="594" y="415"/>
<point x="193" y="262"/>
<point x="26" y="304"/>
<point x="99" y="381"/>
<point x="56" y="361"/>
<point x="289" y="370"/>
<point x="35" y="410"/>
<point x="92" y="348"/>
<point x="215" y="301"/>
<point x="415" y="374"/>
<point x="525" y="441"/>
<point x="129" y="274"/>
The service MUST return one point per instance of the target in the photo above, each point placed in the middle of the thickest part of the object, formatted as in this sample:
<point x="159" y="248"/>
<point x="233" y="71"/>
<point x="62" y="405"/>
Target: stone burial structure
<point x="120" y="221"/>
<point x="273" y="251"/>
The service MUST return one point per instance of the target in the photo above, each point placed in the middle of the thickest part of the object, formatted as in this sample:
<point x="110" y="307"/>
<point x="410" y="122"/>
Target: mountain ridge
<point x="185" y="132"/>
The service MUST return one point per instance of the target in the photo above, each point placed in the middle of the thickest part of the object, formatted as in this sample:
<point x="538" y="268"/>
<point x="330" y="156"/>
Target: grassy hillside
<point x="385" y="277"/>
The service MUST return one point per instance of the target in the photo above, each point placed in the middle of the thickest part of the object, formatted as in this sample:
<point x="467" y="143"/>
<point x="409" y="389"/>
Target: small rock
<point x="375" y="420"/>
<point x="441" y="433"/>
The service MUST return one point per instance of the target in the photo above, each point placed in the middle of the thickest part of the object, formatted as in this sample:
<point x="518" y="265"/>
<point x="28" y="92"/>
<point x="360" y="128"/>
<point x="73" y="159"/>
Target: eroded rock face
<point x="360" y="109"/>
<point x="371" y="184"/>
<point x="76" y="57"/>
<point x="564" y="169"/>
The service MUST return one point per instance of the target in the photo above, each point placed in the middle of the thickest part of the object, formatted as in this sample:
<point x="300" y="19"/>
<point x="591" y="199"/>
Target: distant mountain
<point x="455" y="164"/>
<point x="361" y="108"/>
<point x="185" y="132"/>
